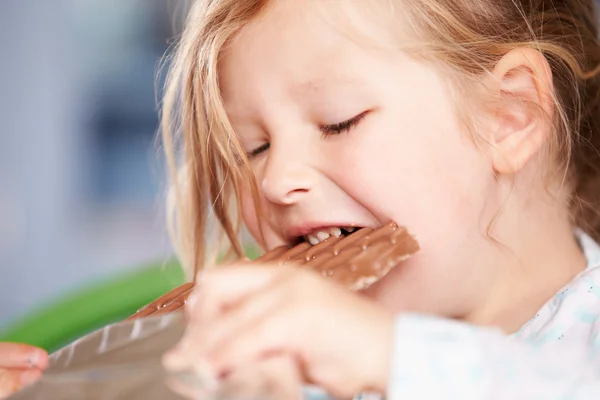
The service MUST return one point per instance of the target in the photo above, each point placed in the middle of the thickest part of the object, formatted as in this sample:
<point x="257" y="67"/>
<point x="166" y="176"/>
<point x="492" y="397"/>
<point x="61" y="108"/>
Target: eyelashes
<point x="259" y="150"/>
<point x="342" y="127"/>
<point x="326" y="130"/>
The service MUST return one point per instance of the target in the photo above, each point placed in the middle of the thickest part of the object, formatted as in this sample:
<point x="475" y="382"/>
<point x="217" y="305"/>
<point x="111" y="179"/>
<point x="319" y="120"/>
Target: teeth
<point x="322" y="236"/>
<point x="335" y="232"/>
<point x="318" y="237"/>
<point x="313" y="240"/>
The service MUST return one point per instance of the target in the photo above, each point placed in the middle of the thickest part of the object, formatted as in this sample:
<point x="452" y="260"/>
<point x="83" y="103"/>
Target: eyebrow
<point x="316" y="85"/>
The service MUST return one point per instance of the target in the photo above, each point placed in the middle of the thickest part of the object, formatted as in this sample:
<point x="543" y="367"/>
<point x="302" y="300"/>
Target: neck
<point x="542" y="258"/>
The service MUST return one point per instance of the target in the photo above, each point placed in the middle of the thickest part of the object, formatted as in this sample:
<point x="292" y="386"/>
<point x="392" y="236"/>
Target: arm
<point x="441" y="359"/>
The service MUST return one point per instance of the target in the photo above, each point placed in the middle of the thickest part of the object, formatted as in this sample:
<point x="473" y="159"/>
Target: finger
<point x="260" y="339"/>
<point x="270" y="379"/>
<point x="182" y="359"/>
<point x="11" y="381"/>
<point x="281" y="378"/>
<point x="222" y="288"/>
<point x="203" y="338"/>
<point x="284" y="380"/>
<point x="187" y="389"/>
<point x="254" y="310"/>
<point x="22" y="356"/>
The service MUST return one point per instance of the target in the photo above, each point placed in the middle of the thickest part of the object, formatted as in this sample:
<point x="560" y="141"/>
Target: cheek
<point x="427" y="175"/>
<point x="413" y="162"/>
<point x="438" y="175"/>
<point x="249" y="215"/>
<point x="271" y="238"/>
<point x="430" y="177"/>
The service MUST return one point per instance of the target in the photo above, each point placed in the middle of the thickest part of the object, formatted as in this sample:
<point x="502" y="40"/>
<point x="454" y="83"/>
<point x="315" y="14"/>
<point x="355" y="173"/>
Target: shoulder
<point x="573" y="314"/>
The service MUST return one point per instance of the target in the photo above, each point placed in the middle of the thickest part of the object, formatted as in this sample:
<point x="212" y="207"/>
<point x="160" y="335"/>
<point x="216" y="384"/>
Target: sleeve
<point x="436" y="358"/>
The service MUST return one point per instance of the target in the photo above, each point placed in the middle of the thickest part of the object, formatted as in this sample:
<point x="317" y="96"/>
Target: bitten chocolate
<point x="355" y="261"/>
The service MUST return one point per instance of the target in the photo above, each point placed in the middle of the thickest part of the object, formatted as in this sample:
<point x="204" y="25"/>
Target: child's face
<point x="288" y="78"/>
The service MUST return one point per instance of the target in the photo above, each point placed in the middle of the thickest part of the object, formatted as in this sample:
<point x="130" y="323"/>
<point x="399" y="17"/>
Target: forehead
<point x="299" y="47"/>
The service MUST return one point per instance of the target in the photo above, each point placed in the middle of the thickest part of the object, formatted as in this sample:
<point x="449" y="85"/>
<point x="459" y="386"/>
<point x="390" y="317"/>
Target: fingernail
<point x="38" y="359"/>
<point x="172" y="359"/>
<point x="172" y="352"/>
<point x="206" y="372"/>
<point x="34" y="359"/>
<point x="191" y="301"/>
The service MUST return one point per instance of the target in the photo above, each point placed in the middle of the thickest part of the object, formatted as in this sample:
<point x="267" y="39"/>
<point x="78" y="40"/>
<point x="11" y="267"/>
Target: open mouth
<point x="323" y="234"/>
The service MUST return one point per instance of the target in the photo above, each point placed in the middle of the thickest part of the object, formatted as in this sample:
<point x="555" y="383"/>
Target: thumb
<point x="22" y="356"/>
<point x="221" y="288"/>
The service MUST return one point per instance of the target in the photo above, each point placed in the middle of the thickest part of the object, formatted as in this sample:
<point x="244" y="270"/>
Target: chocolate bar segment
<point x="355" y="261"/>
<point x="170" y="302"/>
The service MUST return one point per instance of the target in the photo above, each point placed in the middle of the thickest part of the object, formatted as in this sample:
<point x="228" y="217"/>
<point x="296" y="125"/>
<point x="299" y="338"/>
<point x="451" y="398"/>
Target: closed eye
<point x="344" y="126"/>
<point x="332" y="129"/>
<point x="258" y="150"/>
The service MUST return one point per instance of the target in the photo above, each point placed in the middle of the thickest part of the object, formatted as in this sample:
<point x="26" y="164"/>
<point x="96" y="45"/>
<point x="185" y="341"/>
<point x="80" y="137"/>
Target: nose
<point x="287" y="178"/>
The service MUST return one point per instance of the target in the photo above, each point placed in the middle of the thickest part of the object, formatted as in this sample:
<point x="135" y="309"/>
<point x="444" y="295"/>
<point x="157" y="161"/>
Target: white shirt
<point x="556" y="355"/>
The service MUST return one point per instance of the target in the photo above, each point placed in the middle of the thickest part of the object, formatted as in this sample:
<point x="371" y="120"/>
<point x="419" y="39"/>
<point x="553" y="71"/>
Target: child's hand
<point x="20" y="365"/>
<point x="243" y="314"/>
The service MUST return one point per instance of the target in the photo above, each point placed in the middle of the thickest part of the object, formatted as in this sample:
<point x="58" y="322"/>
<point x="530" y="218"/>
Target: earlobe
<point x="523" y="118"/>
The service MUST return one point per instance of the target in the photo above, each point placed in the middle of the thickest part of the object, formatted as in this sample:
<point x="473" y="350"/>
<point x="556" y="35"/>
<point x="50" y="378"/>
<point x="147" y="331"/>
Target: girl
<point x="20" y="365"/>
<point x="473" y="123"/>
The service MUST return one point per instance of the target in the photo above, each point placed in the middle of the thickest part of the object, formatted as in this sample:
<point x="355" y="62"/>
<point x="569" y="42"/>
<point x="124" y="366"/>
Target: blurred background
<point x="81" y="176"/>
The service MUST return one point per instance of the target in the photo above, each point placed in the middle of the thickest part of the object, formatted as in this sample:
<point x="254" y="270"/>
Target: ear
<point x="523" y="119"/>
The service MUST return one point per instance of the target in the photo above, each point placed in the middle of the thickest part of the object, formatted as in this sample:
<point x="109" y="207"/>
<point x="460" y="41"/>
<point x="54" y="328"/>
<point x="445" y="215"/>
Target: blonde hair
<point x="208" y="166"/>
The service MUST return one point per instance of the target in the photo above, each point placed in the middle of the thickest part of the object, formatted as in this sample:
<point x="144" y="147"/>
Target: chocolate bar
<point x="355" y="261"/>
<point x="123" y="361"/>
